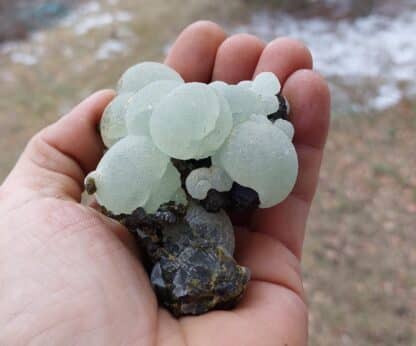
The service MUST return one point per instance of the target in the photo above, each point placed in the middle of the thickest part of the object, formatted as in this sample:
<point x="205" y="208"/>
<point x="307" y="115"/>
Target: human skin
<point x="71" y="276"/>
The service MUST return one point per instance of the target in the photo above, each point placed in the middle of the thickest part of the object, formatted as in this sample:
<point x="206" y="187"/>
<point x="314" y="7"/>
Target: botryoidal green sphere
<point x="186" y="121"/>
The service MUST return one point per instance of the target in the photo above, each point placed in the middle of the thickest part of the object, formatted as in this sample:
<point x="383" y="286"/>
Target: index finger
<point x="193" y="53"/>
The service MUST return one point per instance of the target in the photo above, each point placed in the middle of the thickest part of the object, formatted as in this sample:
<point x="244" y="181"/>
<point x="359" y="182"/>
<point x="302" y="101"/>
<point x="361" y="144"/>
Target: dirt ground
<point x="359" y="261"/>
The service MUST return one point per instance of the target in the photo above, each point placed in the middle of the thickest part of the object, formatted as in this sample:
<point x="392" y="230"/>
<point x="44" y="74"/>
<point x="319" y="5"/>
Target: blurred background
<point x="360" y="258"/>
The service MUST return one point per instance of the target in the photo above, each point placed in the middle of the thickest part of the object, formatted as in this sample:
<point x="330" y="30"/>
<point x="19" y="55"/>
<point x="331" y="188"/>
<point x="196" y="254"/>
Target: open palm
<point x="69" y="275"/>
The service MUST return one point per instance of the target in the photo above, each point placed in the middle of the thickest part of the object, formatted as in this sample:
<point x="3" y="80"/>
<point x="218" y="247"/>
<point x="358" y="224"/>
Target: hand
<point x="69" y="275"/>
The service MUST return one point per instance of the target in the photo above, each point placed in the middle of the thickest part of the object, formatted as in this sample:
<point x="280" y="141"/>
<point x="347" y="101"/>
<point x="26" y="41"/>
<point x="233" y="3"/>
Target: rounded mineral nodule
<point x="140" y="75"/>
<point x="198" y="280"/>
<point x="183" y="123"/>
<point x="200" y="226"/>
<point x="113" y="122"/>
<point x="193" y="270"/>
<point x="271" y="169"/>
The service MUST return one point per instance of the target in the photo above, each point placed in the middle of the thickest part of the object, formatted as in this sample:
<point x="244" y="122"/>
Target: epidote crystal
<point x="179" y="156"/>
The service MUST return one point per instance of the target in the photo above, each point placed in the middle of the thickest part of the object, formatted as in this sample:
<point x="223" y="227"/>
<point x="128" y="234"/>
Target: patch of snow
<point x="81" y="20"/>
<point x="99" y="20"/>
<point x="38" y="36"/>
<point x="9" y="47"/>
<point x="26" y="53"/>
<point x="123" y="16"/>
<point x="23" y="58"/>
<point x="377" y="50"/>
<point x="81" y="11"/>
<point x="388" y="96"/>
<point x="92" y="22"/>
<point x="91" y="16"/>
<point x="90" y="7"/>
<point x="110" y="48"/>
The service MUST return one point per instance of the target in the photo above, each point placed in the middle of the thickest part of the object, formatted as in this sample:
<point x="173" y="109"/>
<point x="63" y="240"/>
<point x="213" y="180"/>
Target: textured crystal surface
<point x="140" y="75"/>
<point x="165" y="190"/>
<point x="185" y="121"/>
<point x="190" y="122"/>
<point x="243" y="102"/>
<point x="260" y="155"/>
<point x="201" y="180"/>
<point x="113" y="122"/>
<point x="246" y="83"/>
<point x="266" y="83"/>
<point x="180" y="156"/>
<point x="141" y="104"/>
<point x="196" y="272"/>
<point x="286" y="127"/>
<point x="215" y="229"/>
<point x="127" y="173"/>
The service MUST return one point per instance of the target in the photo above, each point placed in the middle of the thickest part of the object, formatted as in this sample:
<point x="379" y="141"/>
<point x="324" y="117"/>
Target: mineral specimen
<point x="179" y="156"/>
<point x="194" y="270"/>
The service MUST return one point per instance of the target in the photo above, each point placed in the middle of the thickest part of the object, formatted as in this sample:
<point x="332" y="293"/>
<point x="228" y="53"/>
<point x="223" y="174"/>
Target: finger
<point x="274" y="300"/>
<point x="268" y="315"/>
<point x="268" y="260"/>
<point x="76" y="135"/>
<point x="237" y="58"/>
<point x="193" y="53"/>
<point x="57" y="158"/>
<point x="309" y="98"/>
<point x="284" y="56"/>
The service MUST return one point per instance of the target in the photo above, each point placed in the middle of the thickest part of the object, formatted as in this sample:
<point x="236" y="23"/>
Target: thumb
<point x="57" y="158"/>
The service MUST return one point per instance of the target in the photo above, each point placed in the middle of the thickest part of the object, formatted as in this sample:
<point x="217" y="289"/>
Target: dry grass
<point x="359" y="261"/>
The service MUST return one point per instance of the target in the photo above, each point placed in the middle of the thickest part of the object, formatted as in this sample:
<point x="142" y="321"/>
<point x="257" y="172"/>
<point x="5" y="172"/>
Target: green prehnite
<point x="156" y="117"/>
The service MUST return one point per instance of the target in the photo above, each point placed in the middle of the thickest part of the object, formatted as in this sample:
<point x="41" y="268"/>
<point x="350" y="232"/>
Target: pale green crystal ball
<point x="168" y="188"/>
<point x="266" y="83"/>
<point x="286" y="127"/>
<point x="140" y="75"/>
<point x="141" y="105"/>
<point x="201" y="180"/>
<point x="128" y="173"/>
<point x="261" y="156"/>
<point x="113" y="122"/>
<point x="190" y="122"/>
<point x="243" y="102"/>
